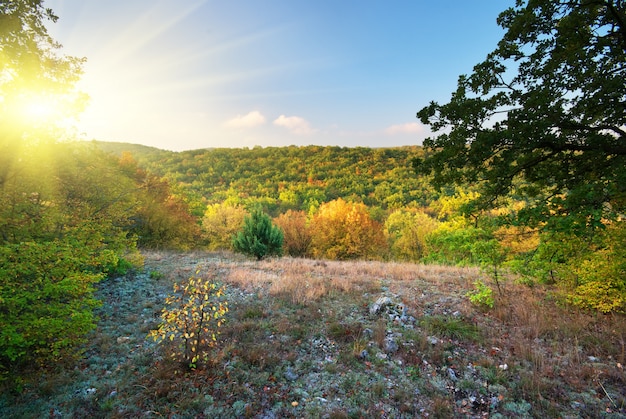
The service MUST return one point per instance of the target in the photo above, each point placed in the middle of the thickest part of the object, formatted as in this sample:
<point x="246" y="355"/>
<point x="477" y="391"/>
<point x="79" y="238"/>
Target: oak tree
<point x="344" y="230"/>
<point x="543" y="116"/>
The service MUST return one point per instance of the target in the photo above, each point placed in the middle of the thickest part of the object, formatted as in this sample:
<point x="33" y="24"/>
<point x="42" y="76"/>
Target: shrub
<point x="46" y="302"/>
<point x="259" y="237"/>
<point x="191" y="321"/>
<point x="601" y="283"/>
<point x="297" y="234"/>
<point x="482" y="295"/>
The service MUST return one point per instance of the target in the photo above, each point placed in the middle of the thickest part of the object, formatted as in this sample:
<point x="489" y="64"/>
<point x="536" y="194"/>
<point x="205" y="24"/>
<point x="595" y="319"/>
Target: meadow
<point x="304" y="338"/>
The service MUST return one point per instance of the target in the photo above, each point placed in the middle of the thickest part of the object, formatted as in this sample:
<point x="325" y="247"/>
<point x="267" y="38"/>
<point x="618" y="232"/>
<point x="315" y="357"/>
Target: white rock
<point x="379" y="305"/>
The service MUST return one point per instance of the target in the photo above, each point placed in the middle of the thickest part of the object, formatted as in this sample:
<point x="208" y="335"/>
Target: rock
<point x="452" y="374"/>
<point x="432" y="340"/>
<point x="381" y="355"/>
<point x="290" y="374"/>
<point x="368" y="333"/>
<point x="363" y="354"/>
<point x="380" y="305"/>
<point x="390" y="345"/>
<point x="123" y="339"/>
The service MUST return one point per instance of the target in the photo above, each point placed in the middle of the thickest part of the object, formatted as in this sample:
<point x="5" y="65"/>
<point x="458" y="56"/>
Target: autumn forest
<point x="535" y="200"/>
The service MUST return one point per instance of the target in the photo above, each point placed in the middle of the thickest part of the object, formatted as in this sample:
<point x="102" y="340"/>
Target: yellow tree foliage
<point x="517" y="239"/>
<point x="407" y="230"/>
<point x="192" y="321"/>
<point x="344" y="230"/>
<point x="600" y="276"/>
<point x="221" y="222"/>
<point x="296" y="232"/>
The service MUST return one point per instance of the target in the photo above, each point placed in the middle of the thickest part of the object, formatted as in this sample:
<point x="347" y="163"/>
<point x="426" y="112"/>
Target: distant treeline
<point x="283" y="178"/>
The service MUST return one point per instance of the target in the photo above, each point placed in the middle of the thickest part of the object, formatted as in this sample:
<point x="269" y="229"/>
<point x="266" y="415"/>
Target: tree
<point x="296" y="231"/>
<point x="407" y="231"/>
<point x="221" y="222"/>
<point x="259" y="237"/>
<point x="37" y="85"/>
<point x="543" y="116"/>
<point x="192" y="321"/>
<point x="63" y="227"/>
<point x="63" y="206"/>
<point x="344" y="230"/>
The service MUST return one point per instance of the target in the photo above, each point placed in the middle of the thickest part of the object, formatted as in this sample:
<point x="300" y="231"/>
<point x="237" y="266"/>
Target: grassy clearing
<point x="301" y="340"/>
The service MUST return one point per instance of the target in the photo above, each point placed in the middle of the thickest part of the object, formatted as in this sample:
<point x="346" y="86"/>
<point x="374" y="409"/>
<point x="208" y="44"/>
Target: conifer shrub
<point x="259" y="237"/>
<point x="191" y="321"/>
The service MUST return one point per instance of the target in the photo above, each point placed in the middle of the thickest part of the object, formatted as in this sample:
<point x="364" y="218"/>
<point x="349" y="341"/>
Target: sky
<point x="191" y="74"/>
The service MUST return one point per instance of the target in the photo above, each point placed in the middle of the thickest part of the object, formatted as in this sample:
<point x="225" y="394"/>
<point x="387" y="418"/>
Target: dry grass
<point x="306" y="280"/>
<point x="311" y="316"/>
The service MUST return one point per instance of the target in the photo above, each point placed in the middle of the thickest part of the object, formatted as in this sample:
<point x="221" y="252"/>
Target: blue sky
<point x="193" y="74"/>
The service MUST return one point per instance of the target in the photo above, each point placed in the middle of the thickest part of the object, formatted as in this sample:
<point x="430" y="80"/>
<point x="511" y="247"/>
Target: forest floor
<point x="306" y="338"/>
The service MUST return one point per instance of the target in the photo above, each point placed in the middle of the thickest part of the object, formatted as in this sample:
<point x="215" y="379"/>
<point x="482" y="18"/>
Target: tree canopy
<point x="543" y="116"/>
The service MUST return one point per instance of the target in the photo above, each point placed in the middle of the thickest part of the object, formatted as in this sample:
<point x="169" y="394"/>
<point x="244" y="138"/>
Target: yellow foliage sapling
<point x="191" y="321"/>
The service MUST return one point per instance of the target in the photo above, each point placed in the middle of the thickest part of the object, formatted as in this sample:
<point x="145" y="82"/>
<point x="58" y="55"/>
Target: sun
<point x="40" y="109"/>
<point x="37" y="108"/>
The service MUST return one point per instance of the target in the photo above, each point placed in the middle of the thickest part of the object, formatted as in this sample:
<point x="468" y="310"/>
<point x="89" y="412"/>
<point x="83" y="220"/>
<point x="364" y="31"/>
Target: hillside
<point x="282" y="178"/>
<point x="305" y="338"/>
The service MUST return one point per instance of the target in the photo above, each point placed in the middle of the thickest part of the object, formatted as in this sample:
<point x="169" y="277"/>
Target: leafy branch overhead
<point x="543" y="117"/>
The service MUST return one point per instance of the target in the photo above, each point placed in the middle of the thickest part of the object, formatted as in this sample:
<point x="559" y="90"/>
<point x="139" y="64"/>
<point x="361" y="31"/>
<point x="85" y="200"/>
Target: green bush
<point x="482" y="295"/>
<point x="46" y="302"/>
<point x="259" y="237"/>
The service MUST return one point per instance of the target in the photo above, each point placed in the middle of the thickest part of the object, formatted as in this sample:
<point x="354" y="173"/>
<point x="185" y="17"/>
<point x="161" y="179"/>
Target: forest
<point x="361" y="203"/>
<point x="536" y="200"/>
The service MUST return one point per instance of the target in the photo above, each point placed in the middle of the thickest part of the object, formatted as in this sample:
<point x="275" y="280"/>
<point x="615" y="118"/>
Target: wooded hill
<point x="351" y="203"/>
<point x="283" y="178"/>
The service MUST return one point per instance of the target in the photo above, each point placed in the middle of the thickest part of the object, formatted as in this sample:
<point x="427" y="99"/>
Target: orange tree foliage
<point x="161" y="218"/>
<point x="345" y="230"/>
<point x="296" y="232"/>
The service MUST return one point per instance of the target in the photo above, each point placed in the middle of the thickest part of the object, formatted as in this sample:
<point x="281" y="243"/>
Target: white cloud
<point x="295" y="124"/>
<point x="250" y="120"/>
<point x="408" y="128"/>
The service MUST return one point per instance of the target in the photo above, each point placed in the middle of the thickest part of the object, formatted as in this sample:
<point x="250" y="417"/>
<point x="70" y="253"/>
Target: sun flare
<point x="30" y="109"/>
<point x="37" y="108"/>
